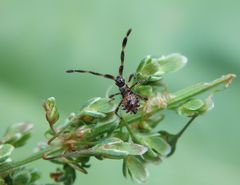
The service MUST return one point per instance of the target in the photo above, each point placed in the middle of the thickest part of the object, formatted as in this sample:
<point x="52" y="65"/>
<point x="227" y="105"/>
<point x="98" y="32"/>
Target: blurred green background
<point x="39" y="40"/>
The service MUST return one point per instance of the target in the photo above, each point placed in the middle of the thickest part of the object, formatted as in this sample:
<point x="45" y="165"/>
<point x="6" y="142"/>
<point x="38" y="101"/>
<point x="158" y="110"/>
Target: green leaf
<point x="5" y="152"/>
<point x="191" y="108"/>
<point x="152" y="69"/>
<point x="171" y="63"/>
<point x="156" y="143"/>
<point x="98" y="107"/>
<point x="117" y="149"/>
<point x="136" y="169"/>
<point x="196" y="107"/>
<point x="144" y="90"/>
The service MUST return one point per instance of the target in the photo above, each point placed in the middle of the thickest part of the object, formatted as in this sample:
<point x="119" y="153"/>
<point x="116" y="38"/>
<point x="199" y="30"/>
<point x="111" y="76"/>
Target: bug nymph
<point x="130" y="100"/>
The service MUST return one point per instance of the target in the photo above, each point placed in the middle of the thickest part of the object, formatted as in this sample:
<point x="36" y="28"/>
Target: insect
<point x="130" y="100"/>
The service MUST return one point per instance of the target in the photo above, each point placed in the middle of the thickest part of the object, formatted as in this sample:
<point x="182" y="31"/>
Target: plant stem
<point x="179" y="134"/>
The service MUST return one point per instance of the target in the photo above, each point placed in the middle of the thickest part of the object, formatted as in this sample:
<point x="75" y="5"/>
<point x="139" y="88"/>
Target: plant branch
<point x="178" y="97"/>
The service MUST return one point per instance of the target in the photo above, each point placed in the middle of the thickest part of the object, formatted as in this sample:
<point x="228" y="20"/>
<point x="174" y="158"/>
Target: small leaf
<point x="156" y="143"/>
<point x="193" y="108"/>
<point x="172" y="62"/>
<point x="5" y="152"/>
<point x="144" y="90"/>
<point x="98" y="107"/>
<point x="152" y="69"/>
<point x="117" y="149"/>
<point x="148" y="70"/>
<point x="136" y="169"/>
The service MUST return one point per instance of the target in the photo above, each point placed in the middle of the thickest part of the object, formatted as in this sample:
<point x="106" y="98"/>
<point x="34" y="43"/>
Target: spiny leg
<point x="122" y="56"/>
<point x="116" y="110"/>
<point x="92" y="72"/>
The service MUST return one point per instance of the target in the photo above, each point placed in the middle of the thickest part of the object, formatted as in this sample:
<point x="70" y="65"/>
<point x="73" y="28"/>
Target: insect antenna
<point x="91" y="72"/>
<point x="122" y="56"/>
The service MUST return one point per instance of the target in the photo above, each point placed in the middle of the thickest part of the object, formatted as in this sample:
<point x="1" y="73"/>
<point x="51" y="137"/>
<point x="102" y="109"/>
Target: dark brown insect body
<point x="130" y="100"/>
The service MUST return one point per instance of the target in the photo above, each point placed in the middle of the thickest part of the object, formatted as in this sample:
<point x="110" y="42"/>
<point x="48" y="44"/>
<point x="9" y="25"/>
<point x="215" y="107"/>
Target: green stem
<point x="179" y="134"/>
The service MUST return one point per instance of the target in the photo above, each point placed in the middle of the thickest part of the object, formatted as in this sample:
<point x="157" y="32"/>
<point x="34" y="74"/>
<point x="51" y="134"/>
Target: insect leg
<point x="137" y="83"/>
<point x="91" y="72"/>
<point x="112" y="95"/>
<point x="116" y="110"/>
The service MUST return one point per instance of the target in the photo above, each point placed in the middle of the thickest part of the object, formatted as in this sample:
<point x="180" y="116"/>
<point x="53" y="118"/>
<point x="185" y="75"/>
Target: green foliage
<point x="96" y="131"/>
<point x="153" y="69"/>
<point x="5" y="152"/>
<point x="135" y="168"/>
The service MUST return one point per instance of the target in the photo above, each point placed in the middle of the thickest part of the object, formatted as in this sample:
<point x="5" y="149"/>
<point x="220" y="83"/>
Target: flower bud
<point x="52" y="114"/>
